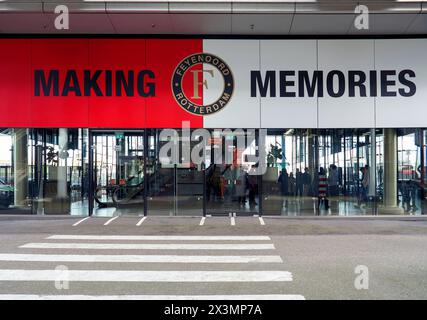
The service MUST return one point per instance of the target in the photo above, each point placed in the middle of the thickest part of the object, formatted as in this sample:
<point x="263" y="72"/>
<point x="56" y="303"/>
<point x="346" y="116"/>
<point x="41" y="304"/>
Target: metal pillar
<point x="373" y="165"/>
<point x="91" y="169"/>
<point x="20" y="167"/>
<point x="390" y="173"/>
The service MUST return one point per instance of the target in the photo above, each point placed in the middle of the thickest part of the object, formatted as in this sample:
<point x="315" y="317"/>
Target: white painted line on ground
<point x="141" y="221"/>
<point x="233" y="219"/>
<point x="80" y="221"/>
<point x="261" y="221"/>
<point x="150" y="246"/>
<point x="202" y="221"/>
<point x="139" y="258"/>
<point x="147" y="276"/>
<point x="253" y="297"/>
<point x="111" y="220"/>
<point x="159" y="238"/>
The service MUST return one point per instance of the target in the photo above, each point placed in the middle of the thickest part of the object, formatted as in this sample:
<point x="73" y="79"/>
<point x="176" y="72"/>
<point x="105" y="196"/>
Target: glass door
<point x="118" y="172"/>
<point x="174" y="183"/>
<point x="230" y="188"/>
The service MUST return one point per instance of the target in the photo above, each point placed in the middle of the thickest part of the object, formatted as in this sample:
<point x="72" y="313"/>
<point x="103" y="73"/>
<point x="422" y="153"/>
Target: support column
<point x="390" y="173"/>
<point x="62" y="163"/>
<point x="283" y="151"/>
<point x="20" y="167"/>
<point x="57" y="199"/>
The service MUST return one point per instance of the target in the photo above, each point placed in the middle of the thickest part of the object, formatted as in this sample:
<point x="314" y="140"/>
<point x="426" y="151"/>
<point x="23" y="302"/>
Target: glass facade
<point x="348" y="172"/>
<point x="79" y="171"/>
<point x="44" y="171"/>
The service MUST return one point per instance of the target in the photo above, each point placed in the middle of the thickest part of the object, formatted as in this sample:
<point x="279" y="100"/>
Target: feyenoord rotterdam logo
<point x="202" y="84"/>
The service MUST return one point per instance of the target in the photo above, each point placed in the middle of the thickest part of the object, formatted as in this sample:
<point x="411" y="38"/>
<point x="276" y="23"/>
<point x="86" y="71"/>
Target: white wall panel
<point x="401" y="54"/>
<point x="288" y="112"/>
<point x="244" y="56"/>
<point x="242" y="111"/>
<point x="345" y="111"/>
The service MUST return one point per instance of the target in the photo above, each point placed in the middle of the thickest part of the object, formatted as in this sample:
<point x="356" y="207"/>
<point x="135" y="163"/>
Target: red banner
<point x="96" y="83"/>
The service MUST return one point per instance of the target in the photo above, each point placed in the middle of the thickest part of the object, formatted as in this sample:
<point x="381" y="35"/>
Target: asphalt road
<point x="176" y="257"/>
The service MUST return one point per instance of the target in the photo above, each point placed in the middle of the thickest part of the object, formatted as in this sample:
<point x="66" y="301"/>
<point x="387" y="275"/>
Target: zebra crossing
<point x="232" y="217"/>
<point x="121" y="259"/>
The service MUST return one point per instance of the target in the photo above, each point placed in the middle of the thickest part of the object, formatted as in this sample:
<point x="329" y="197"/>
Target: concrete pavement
<point x="176" y="257"/>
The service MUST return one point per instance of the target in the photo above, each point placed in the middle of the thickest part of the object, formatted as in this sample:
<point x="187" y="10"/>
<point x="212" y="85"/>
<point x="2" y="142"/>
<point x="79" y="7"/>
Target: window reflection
<point x="44" y="171"/>
<point x="309" y="172"/>
<point x="344" y="171"/>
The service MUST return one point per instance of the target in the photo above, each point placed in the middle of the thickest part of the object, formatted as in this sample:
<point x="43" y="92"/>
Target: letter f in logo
<point x="196" y="82"/>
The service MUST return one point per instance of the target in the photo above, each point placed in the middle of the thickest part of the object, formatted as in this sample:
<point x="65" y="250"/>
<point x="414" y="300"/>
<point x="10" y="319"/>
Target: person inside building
<point x="306" y="181"/>
<point x="414" y="194"/>
<point x="365" y="183"/>
<point x="333" y="180"/>
<point x="364" y="188"/>
<point x="405" y="190"/>
<point x="315" y="184"/>
<point x="408" y="190"/>
<point x="299" y="182"/>
<point x="292" y="184"/>
<point x="241" y="185"/>
<point x="322" y="190"/>
<point x="210" y="184"/>
<point x="218" y="188"/>
<point x="226" y="185"/>
<point x="252" y="182"/>
<point x="284" y="182"/>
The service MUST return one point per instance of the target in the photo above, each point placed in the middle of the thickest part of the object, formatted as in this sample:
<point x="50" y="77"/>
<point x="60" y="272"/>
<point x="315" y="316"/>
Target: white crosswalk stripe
<point x="114" y="266"/>
<point x="110" y="220"/>
<point x="146" y="276"/>
<point x="160" y="238"/>
<point x="141" y="221"/>
<point x="151" y="246"/>
<point x="140" y="258"/>
<point x="80" y="221"/>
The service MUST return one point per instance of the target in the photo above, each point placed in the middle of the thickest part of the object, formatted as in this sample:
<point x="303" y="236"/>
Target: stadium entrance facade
<point x="211" y="127"/>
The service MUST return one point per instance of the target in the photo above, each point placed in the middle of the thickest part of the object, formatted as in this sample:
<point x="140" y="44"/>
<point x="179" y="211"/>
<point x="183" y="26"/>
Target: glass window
<point x="44" y="171"/>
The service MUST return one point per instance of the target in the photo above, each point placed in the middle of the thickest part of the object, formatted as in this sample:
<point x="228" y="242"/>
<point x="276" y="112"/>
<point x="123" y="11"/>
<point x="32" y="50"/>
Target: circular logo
<point x="202" y="84"/>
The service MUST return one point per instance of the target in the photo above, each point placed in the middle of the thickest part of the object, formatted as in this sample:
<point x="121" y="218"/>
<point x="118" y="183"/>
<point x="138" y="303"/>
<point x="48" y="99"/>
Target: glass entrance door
<point x="230" y="186"/>
<point x="118" y="172"/>
<point x="174" y="185"/>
